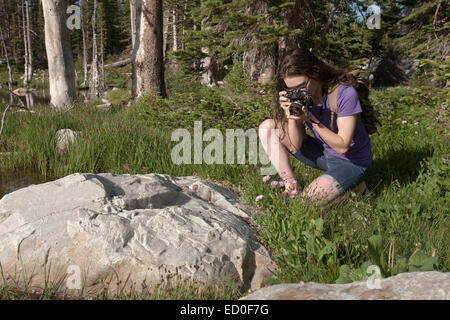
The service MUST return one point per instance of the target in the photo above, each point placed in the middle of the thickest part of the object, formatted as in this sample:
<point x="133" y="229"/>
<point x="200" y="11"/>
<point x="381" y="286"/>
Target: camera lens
<point x="295" y="109"/>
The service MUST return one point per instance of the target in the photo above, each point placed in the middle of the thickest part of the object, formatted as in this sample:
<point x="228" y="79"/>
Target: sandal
<point x="290" y="191"/>
<point x="360" y="189"/>
<point x="287" y="195"/>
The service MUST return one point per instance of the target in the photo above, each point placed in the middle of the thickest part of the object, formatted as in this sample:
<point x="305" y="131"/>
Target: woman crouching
<point x="342" y="149"/>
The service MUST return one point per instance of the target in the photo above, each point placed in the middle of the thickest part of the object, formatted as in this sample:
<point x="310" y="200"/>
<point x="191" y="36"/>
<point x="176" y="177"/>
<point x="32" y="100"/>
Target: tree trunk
<point x="260" y="61"/>
<point x="135" y="7"/>
<point x="94" y="81"/>
<point x="29" y="98"/>
<point x="17" y="49"/>
<point x="165" y="33"/>
<point x="184" y="23"/>
<point x="174" y="34"/>
<point x="133" y="21"/>
<point x="323" y="39"/>
<point x="207" y="64"/>
<point x="83" y="35"/>
<point x="28" y="41"/>
<point x="294" y="19"/>
<point x="194" y="63"/>
<point x="59" y="54"/>
<point x="174" y="30"/>
<point x="25" y="45"/>
<point x="102" y="61"/>
<point x="149" y="66"/>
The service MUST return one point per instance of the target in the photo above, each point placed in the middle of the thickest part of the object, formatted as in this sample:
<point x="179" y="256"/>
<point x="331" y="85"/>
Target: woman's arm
<point x="342" y="140"/>
<point x="295" y="128"/>
<point x="297" y="132"/>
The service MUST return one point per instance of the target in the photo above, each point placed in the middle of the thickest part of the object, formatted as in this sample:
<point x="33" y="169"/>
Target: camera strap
<point x="324" y="98"/>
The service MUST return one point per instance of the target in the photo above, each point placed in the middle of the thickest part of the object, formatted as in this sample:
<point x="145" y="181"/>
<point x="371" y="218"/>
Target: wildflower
<point x="293" y="193"/>
<point x="266" y="178"/>
<point x="280" y="183"/>
<point x="259" y="197"/>
<point x="426" y="108"/>
<point x="274" y="183"/>
<point x="416" y="123"/>
<point x="415" y="132"/>
<point x="404" y="122"/>
<point x="306" y="174"/>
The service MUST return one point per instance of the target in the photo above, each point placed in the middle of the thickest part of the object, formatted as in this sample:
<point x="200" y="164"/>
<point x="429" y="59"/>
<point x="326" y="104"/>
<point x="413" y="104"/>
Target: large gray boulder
<point x="127" y="229"/>
<point x="431" y="285"/>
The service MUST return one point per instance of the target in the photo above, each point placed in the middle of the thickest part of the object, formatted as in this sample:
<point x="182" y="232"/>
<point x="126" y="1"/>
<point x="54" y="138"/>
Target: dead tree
<point x="59" y="54"/>
<point x="147" y="54"/>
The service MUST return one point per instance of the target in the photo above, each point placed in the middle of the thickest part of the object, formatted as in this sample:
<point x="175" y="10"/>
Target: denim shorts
<point x="344" y="174"/>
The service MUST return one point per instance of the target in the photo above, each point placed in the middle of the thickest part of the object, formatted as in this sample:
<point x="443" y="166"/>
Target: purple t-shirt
<point x="360" y="151"/>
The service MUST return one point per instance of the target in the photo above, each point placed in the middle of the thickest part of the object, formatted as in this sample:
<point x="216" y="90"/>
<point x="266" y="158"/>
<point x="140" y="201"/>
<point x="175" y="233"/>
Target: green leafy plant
<point x="417" y="261"/>
<point x="310" y="247"/>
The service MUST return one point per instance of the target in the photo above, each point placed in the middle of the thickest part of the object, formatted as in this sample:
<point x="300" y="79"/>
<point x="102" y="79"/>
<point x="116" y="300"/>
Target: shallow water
<point x="34" y="97"/>
<point x="38" y="96"/>
<point x="11" y="181"/>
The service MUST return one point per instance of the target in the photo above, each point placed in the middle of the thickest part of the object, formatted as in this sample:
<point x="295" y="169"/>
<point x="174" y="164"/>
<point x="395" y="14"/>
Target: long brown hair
<point x="300" y="62"/>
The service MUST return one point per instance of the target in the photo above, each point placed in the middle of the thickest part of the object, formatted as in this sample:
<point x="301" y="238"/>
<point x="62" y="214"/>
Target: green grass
<point x="408" y="181"/>
<point x="172" y="289"/>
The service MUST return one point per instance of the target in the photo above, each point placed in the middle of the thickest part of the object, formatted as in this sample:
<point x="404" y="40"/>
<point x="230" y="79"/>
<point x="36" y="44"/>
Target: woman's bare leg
<point x="321" y="190"/>
<point x="283" y="165"/>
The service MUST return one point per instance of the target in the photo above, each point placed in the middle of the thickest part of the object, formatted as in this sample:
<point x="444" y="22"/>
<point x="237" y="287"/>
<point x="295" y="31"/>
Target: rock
<point x="21" y="91"/>
<point x="431" y="285"/>
<point x="25" y="110"/>
<point x="127" y="229"/>
<point x="64" y="137"/>
<point x="104" y="106"/>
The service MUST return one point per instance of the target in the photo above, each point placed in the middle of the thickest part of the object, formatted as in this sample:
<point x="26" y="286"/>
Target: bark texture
<point x="59" y="54"/>
<point x="259" y="61"/>
<point x="148" y="48"/>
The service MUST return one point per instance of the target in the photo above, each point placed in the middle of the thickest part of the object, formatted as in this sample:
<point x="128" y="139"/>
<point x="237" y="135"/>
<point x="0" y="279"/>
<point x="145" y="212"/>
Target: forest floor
<point x="409" y="185"/>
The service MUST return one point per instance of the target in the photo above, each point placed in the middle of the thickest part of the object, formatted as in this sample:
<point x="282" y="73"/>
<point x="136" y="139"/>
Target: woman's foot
<point x="290" y="189"/>
<point x="359" y="190"/>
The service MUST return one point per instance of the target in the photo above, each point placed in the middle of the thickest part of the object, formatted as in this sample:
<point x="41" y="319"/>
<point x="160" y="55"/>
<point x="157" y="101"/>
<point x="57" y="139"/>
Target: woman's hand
<point x="285" y="103"/>
<point x="309" y="116"/>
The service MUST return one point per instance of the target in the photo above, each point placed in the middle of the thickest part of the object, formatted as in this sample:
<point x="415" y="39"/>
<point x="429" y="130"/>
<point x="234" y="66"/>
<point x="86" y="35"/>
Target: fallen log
<point x="117" y="64"/>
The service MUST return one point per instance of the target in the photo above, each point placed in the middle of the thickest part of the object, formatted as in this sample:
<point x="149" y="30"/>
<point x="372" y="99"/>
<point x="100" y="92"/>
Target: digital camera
<point x="298" y="99"/>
